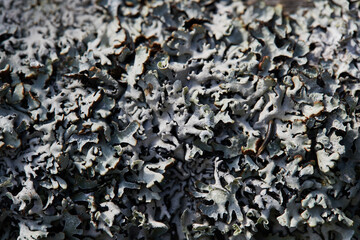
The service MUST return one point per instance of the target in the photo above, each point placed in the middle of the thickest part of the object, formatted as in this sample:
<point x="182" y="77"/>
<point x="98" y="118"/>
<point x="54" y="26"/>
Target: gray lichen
<point x="143" y="120"/>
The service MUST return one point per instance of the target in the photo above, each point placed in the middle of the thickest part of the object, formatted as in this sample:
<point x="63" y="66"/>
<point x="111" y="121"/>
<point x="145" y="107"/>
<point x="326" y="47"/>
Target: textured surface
<point x="289" y="6"/>
<point x="143" y="120"/>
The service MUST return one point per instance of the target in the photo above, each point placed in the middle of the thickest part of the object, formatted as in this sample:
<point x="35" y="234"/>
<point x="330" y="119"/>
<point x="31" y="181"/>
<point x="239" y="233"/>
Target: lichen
<point x="144" y="119"/>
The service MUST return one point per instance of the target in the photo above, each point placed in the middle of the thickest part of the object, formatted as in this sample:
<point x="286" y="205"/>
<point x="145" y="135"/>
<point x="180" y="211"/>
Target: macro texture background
<point x="146" y="120"/>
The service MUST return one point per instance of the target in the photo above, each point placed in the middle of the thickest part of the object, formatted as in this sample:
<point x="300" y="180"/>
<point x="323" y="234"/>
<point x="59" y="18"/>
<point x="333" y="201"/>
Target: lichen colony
<point x="144" y="120"/>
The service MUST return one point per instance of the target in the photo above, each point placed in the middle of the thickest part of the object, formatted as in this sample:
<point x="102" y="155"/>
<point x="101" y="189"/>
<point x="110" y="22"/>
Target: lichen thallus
<point x="269" y="135"/>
